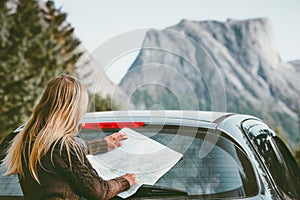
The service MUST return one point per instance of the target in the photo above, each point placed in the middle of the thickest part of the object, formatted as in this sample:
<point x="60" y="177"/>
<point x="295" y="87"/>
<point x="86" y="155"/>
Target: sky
<point x="98" y="21"/>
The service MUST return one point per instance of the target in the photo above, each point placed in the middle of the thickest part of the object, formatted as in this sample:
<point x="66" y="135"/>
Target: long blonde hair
<point x="54" y="119"/>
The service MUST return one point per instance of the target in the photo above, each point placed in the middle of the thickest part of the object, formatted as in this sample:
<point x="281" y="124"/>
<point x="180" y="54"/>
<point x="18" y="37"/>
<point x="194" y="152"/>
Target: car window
<point x="218" y="169"/>
<point x="290" y="164"/>
<point x="280" y="164"/>
<point x="9" y="185"/>
<point x="212" y="165"/>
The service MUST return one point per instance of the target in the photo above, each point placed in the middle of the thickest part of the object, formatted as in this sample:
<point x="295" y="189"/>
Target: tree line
<point x="36" y="44"/>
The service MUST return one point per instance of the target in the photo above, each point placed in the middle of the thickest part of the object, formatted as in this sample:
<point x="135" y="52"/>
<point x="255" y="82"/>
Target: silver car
<point x="225" y="155"/>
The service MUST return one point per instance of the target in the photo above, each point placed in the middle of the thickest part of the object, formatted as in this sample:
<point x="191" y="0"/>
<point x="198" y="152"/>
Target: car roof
<point x="156" y="116"/>
<point x="190" y="114"/>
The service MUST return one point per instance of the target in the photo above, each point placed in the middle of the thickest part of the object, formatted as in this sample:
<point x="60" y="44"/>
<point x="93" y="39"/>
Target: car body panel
<point x="233" y="126"/>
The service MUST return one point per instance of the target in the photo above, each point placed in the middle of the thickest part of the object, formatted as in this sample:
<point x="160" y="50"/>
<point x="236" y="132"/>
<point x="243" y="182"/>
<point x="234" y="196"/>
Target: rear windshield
<point x="212" y="165"/>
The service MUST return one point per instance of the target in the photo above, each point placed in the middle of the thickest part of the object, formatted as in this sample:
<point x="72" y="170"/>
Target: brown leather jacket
<point x="59" y="181"/>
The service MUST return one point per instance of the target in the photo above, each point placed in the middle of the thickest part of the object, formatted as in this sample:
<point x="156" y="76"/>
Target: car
<point x="225" y="155"/>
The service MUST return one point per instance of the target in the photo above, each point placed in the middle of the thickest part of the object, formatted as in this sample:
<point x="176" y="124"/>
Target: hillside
<point x="230" y="66"/>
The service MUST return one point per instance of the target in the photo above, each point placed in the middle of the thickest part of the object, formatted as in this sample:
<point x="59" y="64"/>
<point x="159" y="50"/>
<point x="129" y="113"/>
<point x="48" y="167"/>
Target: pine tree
<point x="37" y="43"/>
<point x="63" y="33"/>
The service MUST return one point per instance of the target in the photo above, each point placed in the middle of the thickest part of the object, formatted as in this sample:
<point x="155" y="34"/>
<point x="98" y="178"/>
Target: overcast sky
<point x="97" y="21"/>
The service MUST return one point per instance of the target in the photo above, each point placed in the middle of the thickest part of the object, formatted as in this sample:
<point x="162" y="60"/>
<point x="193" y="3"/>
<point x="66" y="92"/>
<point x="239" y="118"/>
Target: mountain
<point x="93" y="76"/>
<point x="296" y="64"/>
<point x="230" y="66"/>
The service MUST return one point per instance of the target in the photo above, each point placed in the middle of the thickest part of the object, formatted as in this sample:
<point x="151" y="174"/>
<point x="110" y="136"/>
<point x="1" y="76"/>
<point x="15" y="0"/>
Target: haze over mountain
<point x="96" y="81"/>
<point x="230" y="66"/>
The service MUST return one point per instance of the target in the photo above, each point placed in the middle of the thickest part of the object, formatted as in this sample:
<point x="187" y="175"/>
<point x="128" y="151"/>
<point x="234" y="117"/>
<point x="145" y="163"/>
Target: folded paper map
<point x="138" y="155"/>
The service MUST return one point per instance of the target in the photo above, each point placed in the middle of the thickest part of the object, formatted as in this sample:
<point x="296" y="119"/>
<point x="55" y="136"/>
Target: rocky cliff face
<point x="96" y="81"/>
<point x="228" y="66"/>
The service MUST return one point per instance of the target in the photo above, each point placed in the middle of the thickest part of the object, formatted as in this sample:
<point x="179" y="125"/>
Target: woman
<point x="49" y="161"/>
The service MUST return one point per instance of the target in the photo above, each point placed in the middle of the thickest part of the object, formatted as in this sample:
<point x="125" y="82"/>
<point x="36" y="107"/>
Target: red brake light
<point x="110" y="125"/>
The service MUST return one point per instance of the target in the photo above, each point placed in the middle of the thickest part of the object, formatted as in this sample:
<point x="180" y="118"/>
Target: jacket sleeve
<point x="84" y="179"/>
<point x="93" y="147"/>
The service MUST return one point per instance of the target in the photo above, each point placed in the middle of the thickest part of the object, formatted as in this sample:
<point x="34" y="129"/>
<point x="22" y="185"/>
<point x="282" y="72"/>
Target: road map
<point x="138" y="155"/>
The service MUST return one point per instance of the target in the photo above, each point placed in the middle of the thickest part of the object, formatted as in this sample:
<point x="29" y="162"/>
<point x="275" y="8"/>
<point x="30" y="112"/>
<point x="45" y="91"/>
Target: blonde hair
<point x="54" y="119"/>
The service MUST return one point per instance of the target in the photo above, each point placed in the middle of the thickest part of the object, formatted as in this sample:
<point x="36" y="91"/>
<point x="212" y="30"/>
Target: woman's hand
<point x="114" y="140"/>
<point x="131" y="178"/>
